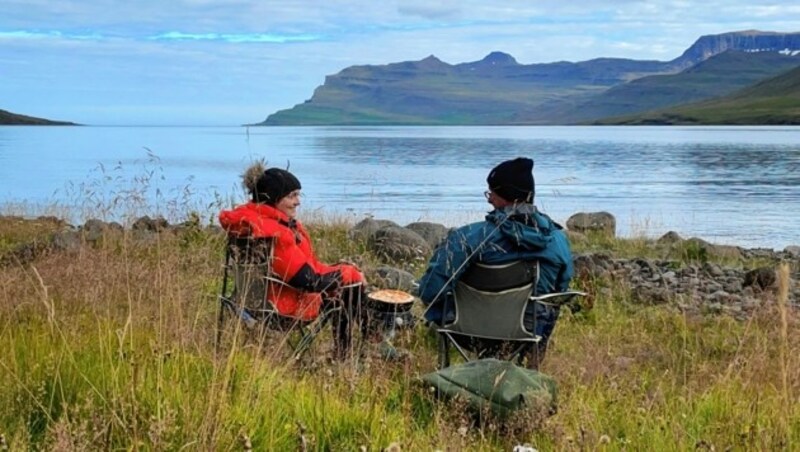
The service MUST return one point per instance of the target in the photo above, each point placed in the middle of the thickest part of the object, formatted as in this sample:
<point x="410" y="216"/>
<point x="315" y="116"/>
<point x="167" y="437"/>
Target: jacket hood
<point x="258" y="220"/>
<point x="524" y="226"/>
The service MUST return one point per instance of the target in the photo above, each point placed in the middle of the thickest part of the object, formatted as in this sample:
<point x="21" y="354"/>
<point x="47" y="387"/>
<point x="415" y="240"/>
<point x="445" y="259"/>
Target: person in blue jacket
<point x="514" y="230"/>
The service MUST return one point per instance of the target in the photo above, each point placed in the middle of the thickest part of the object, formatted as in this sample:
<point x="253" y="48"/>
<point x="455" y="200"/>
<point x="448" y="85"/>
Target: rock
<point x="669" y="277"/>
<point x="67" y="240"/>
<point x="433" y="233"/>
<point x="720" y="296"/>
<point x="713" y="270"/>
<point x="387" y="277"/>
<point x="365" y="229"/>
<point x="793" y="251"/>
<point x="584" y="265"/>
<point x="649" y="295"/>
<point x="21" y="254"/>
<point x="400" y="244"/>
<point x="670" y="238"/>
<point x="760" y="278"/>
<point x="146" y="223"/>
<point x="144" y="236"/>
<point x="727" y="251"/>
<point x="93" y="230"/>
<point x="699" y="249"/>
<point x="602" y="222"/>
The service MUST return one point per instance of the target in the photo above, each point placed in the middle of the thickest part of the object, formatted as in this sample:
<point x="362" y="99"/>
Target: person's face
<point x="495" y="200"/>
<point x="289" y="203"/>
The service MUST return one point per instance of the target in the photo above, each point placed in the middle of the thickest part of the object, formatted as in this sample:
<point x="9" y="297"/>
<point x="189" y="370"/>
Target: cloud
<point x="235" y="38"/>
<point x="430" y="10"/>
<point x="53" y="34"/>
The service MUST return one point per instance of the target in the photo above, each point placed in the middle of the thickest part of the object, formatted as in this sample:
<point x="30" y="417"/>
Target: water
<point x="735" y="185"/>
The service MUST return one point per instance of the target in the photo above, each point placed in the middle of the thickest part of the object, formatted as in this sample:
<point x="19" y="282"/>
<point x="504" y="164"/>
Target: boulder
<point x="67" y="240"/>
<point x="760" y="278"/>
<point x="399" y="244"/>
<point x="146" y="223"/>
<point x="727" y="252"/>
<point x="593" y="222"/>
<point x="697" y="248"/>
<point x="433" y="233"/>
<point x="386" y="277"/>
<point x="94" y="230"/>
<point x="670" y="238"/>
<point x="793" y="251"/>
<point x="365" y="229"/>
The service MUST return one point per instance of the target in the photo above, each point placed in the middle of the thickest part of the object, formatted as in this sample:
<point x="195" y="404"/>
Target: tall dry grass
<point x="111" y="346"/>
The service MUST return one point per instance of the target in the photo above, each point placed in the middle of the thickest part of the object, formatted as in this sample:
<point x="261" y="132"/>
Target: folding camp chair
<point x="247" y="274"/>
<point x="490" y="303"/>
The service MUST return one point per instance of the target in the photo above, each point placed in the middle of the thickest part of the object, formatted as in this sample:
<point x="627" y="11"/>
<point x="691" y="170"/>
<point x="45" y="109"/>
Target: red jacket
<point x="291" y="251"/>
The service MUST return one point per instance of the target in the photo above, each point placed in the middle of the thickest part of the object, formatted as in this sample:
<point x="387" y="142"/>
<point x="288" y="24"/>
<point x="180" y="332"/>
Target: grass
<point x="112" y="347"/>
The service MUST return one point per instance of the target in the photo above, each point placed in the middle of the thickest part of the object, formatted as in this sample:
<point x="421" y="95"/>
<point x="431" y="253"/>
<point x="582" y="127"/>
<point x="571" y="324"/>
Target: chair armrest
<point x="558" y="298"/>
<point x="277" y="280"/>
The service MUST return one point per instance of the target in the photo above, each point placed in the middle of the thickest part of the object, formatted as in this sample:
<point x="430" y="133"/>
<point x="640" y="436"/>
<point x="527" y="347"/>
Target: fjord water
<point x="734" y="185"/>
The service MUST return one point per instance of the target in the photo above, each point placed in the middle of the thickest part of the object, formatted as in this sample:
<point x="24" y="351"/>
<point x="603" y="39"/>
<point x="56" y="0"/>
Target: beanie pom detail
<point x="251" y="176"/>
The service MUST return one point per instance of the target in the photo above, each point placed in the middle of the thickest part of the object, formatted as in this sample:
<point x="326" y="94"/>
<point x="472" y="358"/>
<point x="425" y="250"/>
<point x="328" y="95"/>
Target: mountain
<point x="500" y="90"/>
<point x="772" y="101"/>
<point x="494" y="90"/>
<point x="9" y="119"/>
<point x="747" y="41"/>
<point x="717" y="76"/>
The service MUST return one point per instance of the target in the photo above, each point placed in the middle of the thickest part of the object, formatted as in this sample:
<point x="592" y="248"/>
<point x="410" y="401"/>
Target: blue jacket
<point x="514" y="233"/>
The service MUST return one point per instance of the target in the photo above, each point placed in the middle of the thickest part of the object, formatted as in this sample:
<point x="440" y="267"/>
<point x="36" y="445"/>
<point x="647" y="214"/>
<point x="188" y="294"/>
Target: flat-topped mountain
<point x="500" y="90"/>
<point x="12" y="119"/>
<point x="746" y="41"/>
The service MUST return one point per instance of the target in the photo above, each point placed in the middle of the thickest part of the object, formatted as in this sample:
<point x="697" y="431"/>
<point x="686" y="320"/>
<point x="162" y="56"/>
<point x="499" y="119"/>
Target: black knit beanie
<point x="512" y="180"/>
<point x="273" y="185"/>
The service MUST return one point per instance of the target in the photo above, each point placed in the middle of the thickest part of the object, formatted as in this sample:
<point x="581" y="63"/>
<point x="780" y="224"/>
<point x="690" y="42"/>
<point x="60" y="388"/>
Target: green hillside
<point x="773" y="101"/>
<point x="11" y="119"/>
<point x="718" y="76"/>
<point x="430" y="91"/>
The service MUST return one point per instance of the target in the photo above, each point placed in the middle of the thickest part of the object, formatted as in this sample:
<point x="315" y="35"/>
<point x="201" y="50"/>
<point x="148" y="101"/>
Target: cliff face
<point x="747" y="41"/>
<point x="499" y="90"/>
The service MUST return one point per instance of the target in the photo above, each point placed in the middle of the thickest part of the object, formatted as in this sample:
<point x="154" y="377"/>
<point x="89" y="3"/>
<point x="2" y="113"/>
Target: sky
<point x="212" y="62"/>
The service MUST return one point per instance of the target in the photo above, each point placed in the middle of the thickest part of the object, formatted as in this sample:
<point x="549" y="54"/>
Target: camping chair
<point x="490" y="302"/>
<point x="247" y="274"/>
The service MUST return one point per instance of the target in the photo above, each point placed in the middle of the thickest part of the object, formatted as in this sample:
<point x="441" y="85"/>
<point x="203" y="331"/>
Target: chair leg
<point x="220" y="323"/>
<point x="307" y="338"/>
<point x="444" y="351"/>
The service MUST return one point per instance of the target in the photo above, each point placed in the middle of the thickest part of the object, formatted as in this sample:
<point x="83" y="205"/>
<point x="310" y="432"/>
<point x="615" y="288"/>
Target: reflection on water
<point x="728" y="184"/>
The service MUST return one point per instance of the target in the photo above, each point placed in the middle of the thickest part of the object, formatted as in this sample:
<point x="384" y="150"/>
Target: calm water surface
<point x="737" y="185"/>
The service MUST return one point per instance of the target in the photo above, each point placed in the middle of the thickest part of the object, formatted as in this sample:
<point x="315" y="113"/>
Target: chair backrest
<point x="490" y="301"/>
<point x="250" y="263"/>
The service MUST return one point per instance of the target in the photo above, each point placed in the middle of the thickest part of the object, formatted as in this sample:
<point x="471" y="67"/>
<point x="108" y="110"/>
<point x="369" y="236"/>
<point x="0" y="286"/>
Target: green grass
<point x="112" y="347"/>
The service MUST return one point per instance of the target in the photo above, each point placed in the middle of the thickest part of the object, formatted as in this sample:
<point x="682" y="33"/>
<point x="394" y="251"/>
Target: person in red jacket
<point x="312" y="285"/>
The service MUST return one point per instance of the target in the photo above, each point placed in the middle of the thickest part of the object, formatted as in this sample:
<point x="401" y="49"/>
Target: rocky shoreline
<point x="707" y="278"/>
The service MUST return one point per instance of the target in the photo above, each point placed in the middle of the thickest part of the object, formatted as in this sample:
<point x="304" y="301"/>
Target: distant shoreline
<point x="8" y="118"/>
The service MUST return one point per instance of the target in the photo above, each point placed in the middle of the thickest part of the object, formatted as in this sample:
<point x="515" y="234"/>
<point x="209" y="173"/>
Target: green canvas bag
<point x="499" y="386"/>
